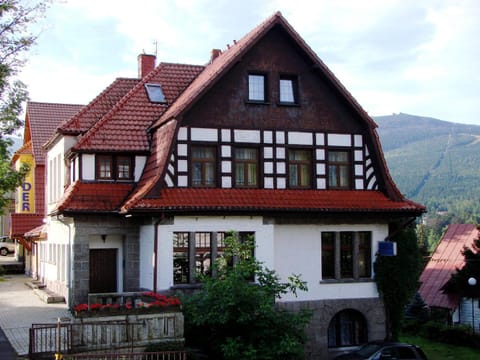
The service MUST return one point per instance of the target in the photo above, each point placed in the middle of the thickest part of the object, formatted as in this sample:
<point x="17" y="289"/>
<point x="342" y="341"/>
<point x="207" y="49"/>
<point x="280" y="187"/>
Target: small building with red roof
<point x="145" y="181"/>
<point x="41" y="120"/>
<point x="447" y="259"/>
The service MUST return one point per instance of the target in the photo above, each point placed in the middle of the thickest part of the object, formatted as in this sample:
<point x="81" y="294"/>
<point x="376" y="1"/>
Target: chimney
<point x="214" y="54"/>
<point x="146" y="63"/>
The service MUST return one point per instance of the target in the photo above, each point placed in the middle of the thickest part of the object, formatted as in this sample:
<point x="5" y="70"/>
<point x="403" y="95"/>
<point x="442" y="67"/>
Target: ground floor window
<point x="346" y="255"/>
<point x="347" y="328"/>
<point x="195" y="252"/>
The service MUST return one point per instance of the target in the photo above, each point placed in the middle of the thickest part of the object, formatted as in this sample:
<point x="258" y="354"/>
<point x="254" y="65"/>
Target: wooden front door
<point x="103" y="270"/>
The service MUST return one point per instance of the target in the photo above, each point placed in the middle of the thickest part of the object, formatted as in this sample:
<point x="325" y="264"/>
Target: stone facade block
<point x="323" y="311"/>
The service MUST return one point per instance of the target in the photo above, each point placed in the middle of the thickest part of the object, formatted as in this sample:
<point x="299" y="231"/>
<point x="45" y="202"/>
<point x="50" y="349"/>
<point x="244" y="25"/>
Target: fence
<point x="107" y="335"/>
<point x="165" y="355"/>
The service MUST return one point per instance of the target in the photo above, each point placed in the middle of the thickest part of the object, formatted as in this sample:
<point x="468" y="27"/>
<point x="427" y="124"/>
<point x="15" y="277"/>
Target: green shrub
<point x="460" y="335"/>
<point x="230" y="318"/>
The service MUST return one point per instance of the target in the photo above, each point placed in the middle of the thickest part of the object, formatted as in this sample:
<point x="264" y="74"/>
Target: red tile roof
<point x="125" y="126"/>
<point x="444" y="262"/>
<point x="37" y="233"/>
<point x="21" y="223"/>
<point x="194" y="199"/>
<point x="98" y="107"/>
<point x="156" y="163"/>
<point x="41" y="121"/>
<point x="93" y="197"/>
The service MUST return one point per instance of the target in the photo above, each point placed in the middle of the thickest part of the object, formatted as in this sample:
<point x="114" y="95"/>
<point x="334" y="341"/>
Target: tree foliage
<point x="397" y="279"/>
<point x="232" y="318"/>
<point x="15" y="41"/>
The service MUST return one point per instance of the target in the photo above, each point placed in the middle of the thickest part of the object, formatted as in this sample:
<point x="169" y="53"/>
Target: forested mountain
<point x="436" y="163"/>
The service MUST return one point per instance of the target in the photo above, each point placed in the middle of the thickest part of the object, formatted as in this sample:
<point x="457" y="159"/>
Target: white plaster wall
<point x="146" y="256"/>
<point x="53" y="194"/>
<point x="288" y="249"/>
<point x="298" y="251"/>
<point x="88" y="167"/>
<point x="263" y="237"/>
<point x="57" y="275"/>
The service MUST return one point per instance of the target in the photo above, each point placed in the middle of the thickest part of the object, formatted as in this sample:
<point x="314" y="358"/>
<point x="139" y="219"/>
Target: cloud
<point x="392" y="55"/>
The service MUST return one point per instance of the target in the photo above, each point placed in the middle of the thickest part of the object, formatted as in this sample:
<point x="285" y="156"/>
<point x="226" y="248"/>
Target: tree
<point x="232" y="318"/>
<point x="397" y="279"/>
<point x="15" y="40"/>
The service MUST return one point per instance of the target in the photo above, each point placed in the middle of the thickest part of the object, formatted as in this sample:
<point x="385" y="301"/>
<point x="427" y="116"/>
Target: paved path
<point x="20" y="308"/>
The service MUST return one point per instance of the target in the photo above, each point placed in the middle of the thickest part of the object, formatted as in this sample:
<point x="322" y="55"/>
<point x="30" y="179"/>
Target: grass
<point x="439" y="351"/>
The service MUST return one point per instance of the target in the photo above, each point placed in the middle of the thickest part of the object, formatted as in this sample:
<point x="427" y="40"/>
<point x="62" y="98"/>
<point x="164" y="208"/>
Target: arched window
<point x="347" y="328"/>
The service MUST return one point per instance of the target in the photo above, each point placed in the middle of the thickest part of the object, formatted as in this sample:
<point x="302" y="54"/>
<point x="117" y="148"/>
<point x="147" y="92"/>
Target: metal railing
<point x="105" y="336"/>
<point x="164" y="355"/>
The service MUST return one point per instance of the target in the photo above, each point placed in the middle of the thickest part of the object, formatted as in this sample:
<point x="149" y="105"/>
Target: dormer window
<point x="257" y="87"/>
<point x="288" y="90"/>
<point x="155" y="93"/>
<point x="109" y="167"/>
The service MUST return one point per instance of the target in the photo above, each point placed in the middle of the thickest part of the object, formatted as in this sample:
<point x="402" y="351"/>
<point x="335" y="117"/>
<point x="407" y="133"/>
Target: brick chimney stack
<point x="214" y="54"/>
<point x="146" y="63"/>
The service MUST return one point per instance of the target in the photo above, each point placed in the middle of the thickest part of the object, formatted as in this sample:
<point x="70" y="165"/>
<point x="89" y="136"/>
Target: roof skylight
<point x="155" y="93"/>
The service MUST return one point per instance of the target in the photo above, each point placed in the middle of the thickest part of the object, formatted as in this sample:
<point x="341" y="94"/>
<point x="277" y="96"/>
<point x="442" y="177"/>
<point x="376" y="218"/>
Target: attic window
<point x="155" y="93"/>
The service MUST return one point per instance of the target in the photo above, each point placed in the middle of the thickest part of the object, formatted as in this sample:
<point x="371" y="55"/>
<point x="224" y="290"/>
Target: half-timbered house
<point x="262" y="140"/>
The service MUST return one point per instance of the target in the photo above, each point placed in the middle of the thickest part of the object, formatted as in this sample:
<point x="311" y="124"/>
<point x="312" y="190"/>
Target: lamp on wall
<point x="104" y="237"/>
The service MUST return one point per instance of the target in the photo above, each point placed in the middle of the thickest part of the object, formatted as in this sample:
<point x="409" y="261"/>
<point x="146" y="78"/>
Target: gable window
<point x="155" y="93"/>
<point x="110" y="167"/>
<point x="288" y="90"/>
<point x="299" y="168"/>
<point x="203" y="161"/>
<point x="257" y="87"/>
<point x="347" y="328"/>
<point x="339" y="169"/>
<point x="246" y="167"/>
<point x="195" y="252"/>
<point x="346" y="255"/>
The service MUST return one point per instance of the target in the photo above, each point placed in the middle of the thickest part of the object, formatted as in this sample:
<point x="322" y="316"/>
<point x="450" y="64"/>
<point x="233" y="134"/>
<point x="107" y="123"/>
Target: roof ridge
<point x="52" y="103"/>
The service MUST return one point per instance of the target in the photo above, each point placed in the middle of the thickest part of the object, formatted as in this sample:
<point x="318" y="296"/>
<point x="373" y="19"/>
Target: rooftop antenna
<point x="155" y="42"/>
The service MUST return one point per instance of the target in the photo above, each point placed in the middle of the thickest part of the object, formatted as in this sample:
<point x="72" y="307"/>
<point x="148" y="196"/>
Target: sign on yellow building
<point x="26" y="193"/>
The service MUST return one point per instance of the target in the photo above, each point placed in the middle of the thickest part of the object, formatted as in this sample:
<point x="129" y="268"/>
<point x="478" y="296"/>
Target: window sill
<point x="346" y="281"/>
<point x="254" y="102"/>
<point x="288" y="104"/>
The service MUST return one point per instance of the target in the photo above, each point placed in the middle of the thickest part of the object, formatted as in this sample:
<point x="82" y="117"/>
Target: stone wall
<point x="89" y="226"/>
<point x="126" y="331"/>
<point x="324" y="311"/>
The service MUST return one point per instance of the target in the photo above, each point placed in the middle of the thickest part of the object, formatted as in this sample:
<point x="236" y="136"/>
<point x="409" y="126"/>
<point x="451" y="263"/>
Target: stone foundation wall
<point x="324" y="311"/>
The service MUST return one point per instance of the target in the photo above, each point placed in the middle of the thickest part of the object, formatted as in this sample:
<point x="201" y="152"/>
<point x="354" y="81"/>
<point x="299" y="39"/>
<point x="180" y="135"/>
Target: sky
<point x="409" y="56"/>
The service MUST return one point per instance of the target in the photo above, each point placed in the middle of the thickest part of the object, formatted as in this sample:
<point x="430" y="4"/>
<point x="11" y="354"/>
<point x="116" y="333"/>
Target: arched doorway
<point x="347" y="328"/>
